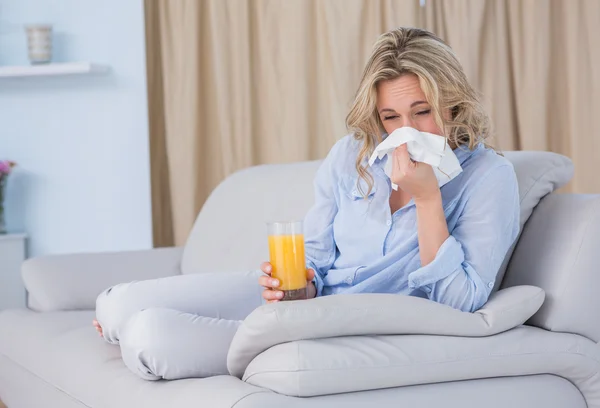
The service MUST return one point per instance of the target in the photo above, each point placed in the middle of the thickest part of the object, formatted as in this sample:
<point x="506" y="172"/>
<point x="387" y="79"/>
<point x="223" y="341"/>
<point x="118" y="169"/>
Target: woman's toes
<point x="98" y="327"/>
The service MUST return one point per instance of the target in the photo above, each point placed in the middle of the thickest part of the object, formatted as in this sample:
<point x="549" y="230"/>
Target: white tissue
<point x="422" y="147"/>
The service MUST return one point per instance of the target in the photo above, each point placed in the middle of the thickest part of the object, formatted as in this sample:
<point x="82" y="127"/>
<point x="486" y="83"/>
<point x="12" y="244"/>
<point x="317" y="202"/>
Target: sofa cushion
<point x="63" y="350"/>
<point x="347" y="364"/>
<point x="370" y="314"/>
<point x="21" y="388"/>
<point x="29" y="385"/>
<point x="547" y="391"/>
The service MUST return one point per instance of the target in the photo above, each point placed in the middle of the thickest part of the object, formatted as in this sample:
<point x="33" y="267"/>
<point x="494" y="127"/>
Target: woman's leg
<point x="168" y="344"/>
<point x="229" y="296"/>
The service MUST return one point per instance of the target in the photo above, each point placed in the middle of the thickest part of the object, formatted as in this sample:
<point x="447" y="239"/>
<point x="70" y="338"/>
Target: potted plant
<point x="6" y="167"/>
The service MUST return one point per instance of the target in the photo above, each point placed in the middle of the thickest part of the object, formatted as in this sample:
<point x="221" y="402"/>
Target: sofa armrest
<point x="73" y="282"/>
<point x="558" y="251"/>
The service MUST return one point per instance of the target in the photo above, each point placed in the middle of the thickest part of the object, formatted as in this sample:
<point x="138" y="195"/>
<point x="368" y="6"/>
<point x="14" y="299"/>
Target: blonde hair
<point x="442" y="79"/>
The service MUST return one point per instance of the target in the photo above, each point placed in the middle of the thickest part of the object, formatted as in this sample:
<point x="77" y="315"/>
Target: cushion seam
<point x="45" y="381"/>
<point x="252" y="393"/>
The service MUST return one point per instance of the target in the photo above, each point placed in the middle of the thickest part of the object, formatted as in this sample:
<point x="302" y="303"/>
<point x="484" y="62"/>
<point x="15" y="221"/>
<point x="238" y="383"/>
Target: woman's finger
<point x="272" y="294"/>
<point x="268" y="282"/>
<point x="402" y="156"/>
<point x="402" y="160"/>
<point x="266" y="267"/>
<point x="310" y="274"/>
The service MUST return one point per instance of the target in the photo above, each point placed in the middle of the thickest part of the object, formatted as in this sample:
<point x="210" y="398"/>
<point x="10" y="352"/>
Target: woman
<point x="361" y="235"/>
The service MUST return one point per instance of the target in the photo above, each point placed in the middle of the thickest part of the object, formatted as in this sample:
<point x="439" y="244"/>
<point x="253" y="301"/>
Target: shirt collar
<point x="462" y="152"/>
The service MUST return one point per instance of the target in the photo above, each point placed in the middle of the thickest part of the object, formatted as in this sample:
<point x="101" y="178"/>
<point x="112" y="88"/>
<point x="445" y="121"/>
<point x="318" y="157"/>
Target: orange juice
<point x="286" y="249"/>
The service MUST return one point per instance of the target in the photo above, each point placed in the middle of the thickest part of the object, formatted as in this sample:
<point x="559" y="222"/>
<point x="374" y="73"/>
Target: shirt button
<point x="348" y="280"/>
<point x="389" y="222"/>
<point x="491" y="285"/>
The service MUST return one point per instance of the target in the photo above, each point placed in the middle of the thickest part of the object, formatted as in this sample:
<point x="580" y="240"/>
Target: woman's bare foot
<point x="98" y="328"/>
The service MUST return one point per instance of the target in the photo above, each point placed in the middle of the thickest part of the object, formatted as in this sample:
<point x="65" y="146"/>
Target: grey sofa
<point x="50" y="356"/>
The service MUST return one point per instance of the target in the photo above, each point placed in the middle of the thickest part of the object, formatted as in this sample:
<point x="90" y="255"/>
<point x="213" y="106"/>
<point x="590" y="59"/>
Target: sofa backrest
<point x="558" y="252"/>
<point x="230" y="232"/>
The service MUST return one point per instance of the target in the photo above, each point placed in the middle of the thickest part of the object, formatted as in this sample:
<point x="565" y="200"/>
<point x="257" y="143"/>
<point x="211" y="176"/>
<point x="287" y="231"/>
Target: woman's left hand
<point x="415" y="178"/>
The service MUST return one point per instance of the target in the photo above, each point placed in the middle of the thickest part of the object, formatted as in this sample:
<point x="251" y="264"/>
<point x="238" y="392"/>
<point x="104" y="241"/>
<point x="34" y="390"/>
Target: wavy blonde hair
<point x="442" y="79"/>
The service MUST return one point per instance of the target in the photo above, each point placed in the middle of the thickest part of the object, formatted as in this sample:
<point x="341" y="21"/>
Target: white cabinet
<point x="12" y="255"/>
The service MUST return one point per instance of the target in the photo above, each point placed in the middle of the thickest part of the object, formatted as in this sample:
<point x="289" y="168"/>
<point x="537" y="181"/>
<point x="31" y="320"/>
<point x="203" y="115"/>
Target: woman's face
<point x="401" y="102"/>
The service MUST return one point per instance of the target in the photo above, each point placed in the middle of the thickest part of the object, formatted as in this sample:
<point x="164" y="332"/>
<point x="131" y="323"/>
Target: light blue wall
<point x="83" y="181"/>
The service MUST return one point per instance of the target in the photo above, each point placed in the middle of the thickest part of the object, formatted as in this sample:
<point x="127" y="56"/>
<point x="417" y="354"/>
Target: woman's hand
<point x="271" y="294"/>
<point x="415" y="178"/>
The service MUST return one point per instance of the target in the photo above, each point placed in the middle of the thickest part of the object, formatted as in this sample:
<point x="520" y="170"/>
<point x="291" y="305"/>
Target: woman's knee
<point x="168" y="344"/>
<point x="143" y="348"/>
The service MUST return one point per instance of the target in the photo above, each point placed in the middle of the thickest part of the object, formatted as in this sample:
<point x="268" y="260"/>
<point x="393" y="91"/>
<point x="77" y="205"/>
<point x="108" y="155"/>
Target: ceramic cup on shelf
<point x="39" y="43"/>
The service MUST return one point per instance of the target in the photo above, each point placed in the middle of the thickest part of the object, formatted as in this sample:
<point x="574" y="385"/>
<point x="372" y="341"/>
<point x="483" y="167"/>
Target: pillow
<point x="538" y="174"/>
<point x="310" y="368"/>
<point x="371" y="314"/>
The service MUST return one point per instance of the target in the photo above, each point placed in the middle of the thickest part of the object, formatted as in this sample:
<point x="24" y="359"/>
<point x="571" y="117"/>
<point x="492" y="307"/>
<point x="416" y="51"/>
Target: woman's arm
<point x="463" y="270"/>
<point x="459" y="269"/>
<point x="319" y="242"/>
<point x="418" y="180"/>
<point x="431" y="227"/>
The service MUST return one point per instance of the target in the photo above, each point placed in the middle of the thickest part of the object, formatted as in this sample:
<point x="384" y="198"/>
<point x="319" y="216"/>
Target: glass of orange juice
<point x="286" y="249"/>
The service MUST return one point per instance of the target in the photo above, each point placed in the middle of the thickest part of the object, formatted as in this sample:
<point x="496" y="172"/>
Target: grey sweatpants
<point x="180" y="326"/>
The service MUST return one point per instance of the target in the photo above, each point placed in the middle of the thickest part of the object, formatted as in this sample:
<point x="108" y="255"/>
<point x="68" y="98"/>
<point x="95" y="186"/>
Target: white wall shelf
<point x="48" y="70"/>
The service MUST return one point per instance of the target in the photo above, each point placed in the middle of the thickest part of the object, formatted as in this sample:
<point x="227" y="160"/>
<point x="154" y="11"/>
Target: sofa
<point x="534" y="344"/>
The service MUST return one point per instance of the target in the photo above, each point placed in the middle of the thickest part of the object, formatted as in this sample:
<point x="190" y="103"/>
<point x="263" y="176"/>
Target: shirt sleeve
<point x="463" y="273"/>
<point x="319" y="243"/>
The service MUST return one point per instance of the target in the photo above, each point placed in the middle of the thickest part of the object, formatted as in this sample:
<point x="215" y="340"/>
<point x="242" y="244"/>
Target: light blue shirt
<point x="356" y="245"/>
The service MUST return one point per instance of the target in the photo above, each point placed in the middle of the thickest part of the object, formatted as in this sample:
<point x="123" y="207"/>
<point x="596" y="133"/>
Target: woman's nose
<point x="407" y="122"/>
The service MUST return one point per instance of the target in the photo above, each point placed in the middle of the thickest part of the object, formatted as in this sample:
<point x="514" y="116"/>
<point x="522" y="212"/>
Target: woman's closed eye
<point x="421" y="113"/>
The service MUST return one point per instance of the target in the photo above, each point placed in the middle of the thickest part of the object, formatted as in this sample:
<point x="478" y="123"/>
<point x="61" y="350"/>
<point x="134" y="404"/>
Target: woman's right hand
<point x="270" y="294"/>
